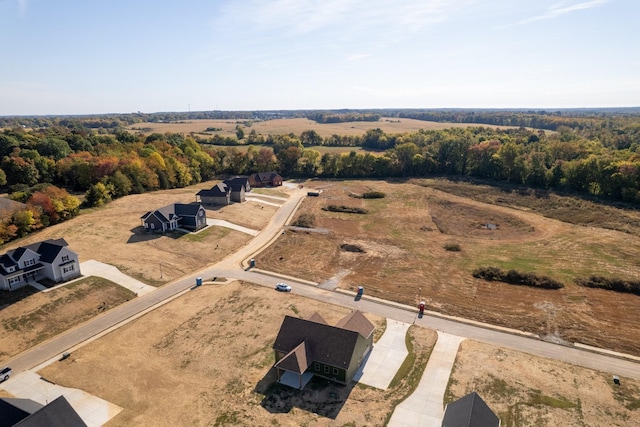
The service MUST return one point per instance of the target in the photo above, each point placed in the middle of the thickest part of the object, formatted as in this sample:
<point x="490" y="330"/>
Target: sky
<point x="93" y="57"/>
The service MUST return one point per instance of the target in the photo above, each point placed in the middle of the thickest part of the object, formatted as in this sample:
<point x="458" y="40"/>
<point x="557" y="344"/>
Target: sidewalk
<point x="425" y="406"/>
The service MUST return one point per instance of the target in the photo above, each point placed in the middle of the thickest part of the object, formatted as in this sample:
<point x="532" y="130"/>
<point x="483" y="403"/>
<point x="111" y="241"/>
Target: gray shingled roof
<point x="469" y="411"/>
<point x="219" y="190"/>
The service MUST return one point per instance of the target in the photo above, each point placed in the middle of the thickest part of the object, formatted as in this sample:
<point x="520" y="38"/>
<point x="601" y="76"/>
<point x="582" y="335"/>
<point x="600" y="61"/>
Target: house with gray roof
<point x="49" y="259"/>
<point x="239" y="187"/>
<point x="469" y="411"/>
<point x="28" y="413"/>
<point x="219" y="194"/>
<point x="190" y="216"/>
<point x="311" y="347"/>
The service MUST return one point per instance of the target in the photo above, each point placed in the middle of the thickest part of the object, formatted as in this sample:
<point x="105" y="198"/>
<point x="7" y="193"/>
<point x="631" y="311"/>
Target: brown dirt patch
<point x="43" y="315"/>
<point x="526" y="390"/>
<point x="204" y="359"/>
<point x="404" y="237"/>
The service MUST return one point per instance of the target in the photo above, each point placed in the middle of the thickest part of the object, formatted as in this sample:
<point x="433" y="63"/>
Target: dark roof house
<point x="191" y="216"/>
<point x="308" y="347"/>
<point x="239" y="187"/>
<point x="27" y="413"/>
<point x="219" y="194"/>
<point x="50" y="259"/>
<point x="469" y="411"/>
<point x="265" y="179"/>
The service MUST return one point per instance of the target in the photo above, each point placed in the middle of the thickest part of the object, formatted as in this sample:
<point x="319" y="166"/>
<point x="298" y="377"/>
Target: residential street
<point x="231" y="267"/>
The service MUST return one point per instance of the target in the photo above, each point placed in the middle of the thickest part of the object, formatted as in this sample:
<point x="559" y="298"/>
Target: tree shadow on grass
<point x="320" y="396"/>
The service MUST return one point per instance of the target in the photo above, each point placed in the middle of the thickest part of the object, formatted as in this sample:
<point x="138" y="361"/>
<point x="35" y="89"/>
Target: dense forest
<point x="44" y="160"/>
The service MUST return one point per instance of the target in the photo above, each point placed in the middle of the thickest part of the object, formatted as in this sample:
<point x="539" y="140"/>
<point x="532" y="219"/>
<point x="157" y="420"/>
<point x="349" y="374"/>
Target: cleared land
<point x="402" y="254"/>
<point x="33" y="319"/>
<point x="297" y="126"/>
<point x="113" y="234"/>
<point x="526" y="390"/>
<point x="205" y="359"/>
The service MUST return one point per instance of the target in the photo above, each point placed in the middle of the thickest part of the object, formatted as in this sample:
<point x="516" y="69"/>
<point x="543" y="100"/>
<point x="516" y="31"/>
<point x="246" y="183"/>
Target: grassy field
<point x="296" y="126"/>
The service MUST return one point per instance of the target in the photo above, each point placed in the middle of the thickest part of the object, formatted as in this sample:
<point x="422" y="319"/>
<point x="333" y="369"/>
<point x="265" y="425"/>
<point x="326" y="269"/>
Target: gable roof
<point x="315" y="317"/>
<point x="187" y="209"/>
<point x="469" y="411"/>
<point x="264" y="176"/>
<point x="323" y="343"/>
<point x="15" y="410"/>
<point x="27" y="413"/>
<point x="219" y="190"/>
<point x="237" y="183"/>
<point x="297" y="360"/>
<point x="355" y="321"/>
<point x="48" y="249"/>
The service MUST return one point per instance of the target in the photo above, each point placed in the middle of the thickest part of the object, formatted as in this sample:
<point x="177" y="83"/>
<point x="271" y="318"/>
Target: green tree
<point x="98" y="194"/>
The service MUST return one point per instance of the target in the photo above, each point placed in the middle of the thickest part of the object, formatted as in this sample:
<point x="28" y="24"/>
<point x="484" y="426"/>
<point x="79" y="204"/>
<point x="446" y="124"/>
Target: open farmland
<point x="296" y="126"/>
<point x="401" y="256"/>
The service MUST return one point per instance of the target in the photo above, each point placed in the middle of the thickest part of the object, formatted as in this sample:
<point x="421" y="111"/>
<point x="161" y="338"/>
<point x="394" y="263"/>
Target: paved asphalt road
<point x="230" y="267"/>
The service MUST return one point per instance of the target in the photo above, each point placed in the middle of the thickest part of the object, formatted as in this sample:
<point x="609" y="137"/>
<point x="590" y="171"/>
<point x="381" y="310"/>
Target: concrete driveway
<point x="109" y="272"/>
<point x="425" y="406"/>
<point x="387" y="356"/>
<point x="93" y="410"/>
<point x="227" y="224"/>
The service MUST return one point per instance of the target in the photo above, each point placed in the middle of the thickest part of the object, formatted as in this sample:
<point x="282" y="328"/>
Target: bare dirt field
<point x="525" y="390"/>
<point x="205" y="359"/>
<point x="297" y="126"/>
<point x="401" y="254"/>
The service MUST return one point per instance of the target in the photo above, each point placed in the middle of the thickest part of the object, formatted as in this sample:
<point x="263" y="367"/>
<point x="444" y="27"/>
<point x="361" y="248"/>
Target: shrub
<point x="514" y="277"/>
<point x="618" y="285"/>
<point x="346" y="209"/>
<point x="373" y="195"/>
<point x="305" y="220"/>
<point x="452" y="247"/>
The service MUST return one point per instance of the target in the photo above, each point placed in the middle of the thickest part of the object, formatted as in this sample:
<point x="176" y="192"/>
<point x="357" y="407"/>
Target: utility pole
<point x="161" y="270"/>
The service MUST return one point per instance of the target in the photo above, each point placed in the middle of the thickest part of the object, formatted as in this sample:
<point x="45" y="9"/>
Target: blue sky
<point x="90" y="56"/>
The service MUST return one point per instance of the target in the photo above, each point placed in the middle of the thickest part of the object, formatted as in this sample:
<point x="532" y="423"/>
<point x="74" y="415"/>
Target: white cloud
<point x="359" y="56"/>
<point x="559" y="9"/>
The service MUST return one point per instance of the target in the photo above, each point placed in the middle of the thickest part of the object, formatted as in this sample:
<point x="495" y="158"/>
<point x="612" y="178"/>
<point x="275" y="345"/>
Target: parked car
<point x="283" y="287"/>
<point x="5" y="374"/>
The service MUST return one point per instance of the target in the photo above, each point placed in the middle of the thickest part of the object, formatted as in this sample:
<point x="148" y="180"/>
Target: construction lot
<point x="208" y="353"/>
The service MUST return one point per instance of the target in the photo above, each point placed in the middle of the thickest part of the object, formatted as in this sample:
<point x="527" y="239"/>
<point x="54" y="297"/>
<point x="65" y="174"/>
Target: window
<point x="326" y="369"/>
<point x="153" y="226"/>
<point x="29" y="262"/>
<point x="65" y="258"/>
<point x="13" y="280"/>
<point x="316" y="366"/>
<point x="335" y="371"/>
<point x="67" y="269"/>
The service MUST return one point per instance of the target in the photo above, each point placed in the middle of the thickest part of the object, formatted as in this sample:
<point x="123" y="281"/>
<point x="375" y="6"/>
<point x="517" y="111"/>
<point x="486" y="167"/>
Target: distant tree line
<point x="601" y="160"/>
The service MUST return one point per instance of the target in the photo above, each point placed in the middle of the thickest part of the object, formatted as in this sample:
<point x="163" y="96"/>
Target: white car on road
<point x="283" y="287"/>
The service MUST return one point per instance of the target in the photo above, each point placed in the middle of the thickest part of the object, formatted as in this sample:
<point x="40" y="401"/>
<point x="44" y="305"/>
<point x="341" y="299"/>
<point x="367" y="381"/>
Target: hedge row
<point x="347" y="209"/>
<point x="617" y="285"/>
<point x="516" y="278"/>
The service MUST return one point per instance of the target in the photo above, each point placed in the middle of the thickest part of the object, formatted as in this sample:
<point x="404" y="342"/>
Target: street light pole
<point x="419" y="294"/>
<point x="161" y="270"/>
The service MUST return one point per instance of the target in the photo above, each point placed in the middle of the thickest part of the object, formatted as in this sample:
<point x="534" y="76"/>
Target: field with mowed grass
<point x="296" y="126"/>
